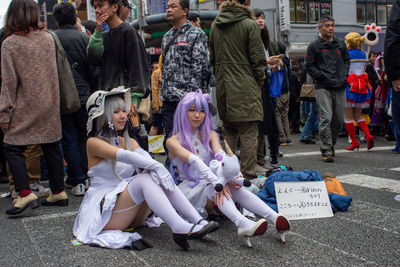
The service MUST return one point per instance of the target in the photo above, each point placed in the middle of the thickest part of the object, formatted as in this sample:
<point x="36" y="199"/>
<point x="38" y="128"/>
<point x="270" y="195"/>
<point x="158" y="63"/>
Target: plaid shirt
<point x="186" y="65"/>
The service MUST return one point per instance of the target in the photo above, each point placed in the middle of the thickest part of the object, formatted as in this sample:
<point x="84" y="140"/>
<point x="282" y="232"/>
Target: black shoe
<point x="60" y="199"/>
<point x="308" y="141"/>
<point x="140" y="245"/>
<point x="215" y="225"/>
<point x="63" y="203"/>
<point x="181" y="239"/>
<point x="33" y="203"/>
<point x="274" y="160"/>
<point x="328" y="158"/>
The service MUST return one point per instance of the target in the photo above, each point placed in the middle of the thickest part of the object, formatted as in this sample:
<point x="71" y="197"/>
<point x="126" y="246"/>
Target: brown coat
<point x="30" y="97"/>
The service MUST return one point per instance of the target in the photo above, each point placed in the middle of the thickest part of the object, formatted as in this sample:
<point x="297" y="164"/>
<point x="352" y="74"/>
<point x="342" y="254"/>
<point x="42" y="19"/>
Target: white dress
<point x="97" y="205"/>
<point x="197" y="195"/>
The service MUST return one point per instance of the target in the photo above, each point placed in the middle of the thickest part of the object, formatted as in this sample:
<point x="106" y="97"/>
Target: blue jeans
<point x="74" y="145"/>
<point x="312" y="113"/>
<point x="396" y="113"/>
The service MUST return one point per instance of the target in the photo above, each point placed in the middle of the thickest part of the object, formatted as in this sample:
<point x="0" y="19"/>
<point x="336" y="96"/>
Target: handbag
<point x="308" y="88"/>
<point x="275" y="83"/>
<point x="69" y="98"/>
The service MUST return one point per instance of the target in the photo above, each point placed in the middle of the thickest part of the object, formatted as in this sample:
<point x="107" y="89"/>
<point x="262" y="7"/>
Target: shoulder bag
<point x="69" y="98"/>
<point x="308" y="88"/>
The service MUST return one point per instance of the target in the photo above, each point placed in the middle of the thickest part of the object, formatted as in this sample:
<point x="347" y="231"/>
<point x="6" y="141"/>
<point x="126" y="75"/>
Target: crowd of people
<point x="202" y="90"/>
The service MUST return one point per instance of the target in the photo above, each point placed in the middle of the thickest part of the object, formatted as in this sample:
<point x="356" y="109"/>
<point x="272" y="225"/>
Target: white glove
<point x="158" y="172"/>
<point x="204" y="171"/>
<point x="161" y="175"/>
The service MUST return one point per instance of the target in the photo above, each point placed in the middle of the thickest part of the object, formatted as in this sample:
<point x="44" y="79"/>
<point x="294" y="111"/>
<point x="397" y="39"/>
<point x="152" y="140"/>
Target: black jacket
<point x="392" y="44"/>
<point x="122" y="60"/>
<point x="75" y="45"/>
<point x="328" y="63"/>
<point x="285" y="84"/>
<point x="294" y="85"/>
<point x="372" y="75"/>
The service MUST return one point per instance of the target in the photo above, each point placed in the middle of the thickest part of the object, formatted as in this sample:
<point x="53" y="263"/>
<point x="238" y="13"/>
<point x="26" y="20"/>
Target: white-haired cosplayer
<point x="118" y="199"/>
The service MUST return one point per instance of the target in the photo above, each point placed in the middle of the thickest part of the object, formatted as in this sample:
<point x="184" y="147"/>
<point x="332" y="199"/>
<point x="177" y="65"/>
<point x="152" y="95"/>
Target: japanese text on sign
<point x="303" y="200"/>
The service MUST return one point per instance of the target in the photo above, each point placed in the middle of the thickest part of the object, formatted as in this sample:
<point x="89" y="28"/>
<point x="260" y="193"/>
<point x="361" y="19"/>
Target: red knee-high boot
<point x="352" y="133"/>
<point x="364" y="127"/>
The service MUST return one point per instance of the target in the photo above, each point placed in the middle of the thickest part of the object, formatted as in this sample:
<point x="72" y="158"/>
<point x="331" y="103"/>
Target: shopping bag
<point x="275" y="83"/>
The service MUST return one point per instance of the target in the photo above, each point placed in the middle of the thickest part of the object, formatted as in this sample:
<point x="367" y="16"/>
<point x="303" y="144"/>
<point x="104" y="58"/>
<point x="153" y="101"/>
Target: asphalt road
<point x="368" y="234"/>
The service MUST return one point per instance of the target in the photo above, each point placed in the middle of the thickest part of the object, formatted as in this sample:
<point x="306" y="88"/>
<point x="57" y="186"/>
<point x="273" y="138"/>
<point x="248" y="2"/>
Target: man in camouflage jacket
<point x="185" y="63"/>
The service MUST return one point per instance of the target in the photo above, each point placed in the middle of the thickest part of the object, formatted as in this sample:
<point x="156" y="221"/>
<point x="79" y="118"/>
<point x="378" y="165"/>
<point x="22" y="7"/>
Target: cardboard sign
<point x="303" y="200"/>
<point x="156" y="143"/>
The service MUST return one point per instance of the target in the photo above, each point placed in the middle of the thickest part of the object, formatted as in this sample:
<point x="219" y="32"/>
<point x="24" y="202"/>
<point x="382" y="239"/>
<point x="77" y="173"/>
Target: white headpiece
<point x="95" y="104"/>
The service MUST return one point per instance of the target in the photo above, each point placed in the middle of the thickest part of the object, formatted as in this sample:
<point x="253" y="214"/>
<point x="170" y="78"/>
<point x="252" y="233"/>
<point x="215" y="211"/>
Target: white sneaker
<point x="40" y="190"/>
<point x="78" y="190"/>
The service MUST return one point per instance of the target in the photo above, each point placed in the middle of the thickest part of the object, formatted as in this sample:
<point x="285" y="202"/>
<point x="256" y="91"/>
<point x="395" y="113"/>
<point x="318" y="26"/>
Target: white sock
<point x="229" y="209"/>
<point x="251" y="202"/>
<point x="183" y="206"/>
<point x="142" y="188"/>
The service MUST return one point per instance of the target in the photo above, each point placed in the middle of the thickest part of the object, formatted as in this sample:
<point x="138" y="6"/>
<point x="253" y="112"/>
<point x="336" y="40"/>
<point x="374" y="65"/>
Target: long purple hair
<point x="182" y="126"/>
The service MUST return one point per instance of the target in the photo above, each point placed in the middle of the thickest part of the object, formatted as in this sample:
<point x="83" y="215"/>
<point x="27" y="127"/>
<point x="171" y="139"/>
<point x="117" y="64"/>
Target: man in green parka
<point x="238" y="58"/>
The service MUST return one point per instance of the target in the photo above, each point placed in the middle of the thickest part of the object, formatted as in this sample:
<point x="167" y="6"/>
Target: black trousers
<point x="54" y="160"/>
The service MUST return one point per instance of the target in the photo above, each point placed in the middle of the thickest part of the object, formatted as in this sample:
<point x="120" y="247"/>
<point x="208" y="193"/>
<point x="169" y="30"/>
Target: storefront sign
<point x="284" y="15"/>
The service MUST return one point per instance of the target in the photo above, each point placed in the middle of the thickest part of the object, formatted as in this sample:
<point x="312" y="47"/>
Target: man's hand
<point x="396" y="85"/>
<point x="100" y="19"/>
<point x="274" y="60"/>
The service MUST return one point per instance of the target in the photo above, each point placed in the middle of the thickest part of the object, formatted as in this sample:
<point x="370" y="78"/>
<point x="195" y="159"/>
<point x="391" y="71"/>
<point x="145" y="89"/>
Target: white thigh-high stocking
<point x="183" y="206"/>
<point x="251" y="202"/>
<point x="229" y="209"/>
<point x="142" y="188"/>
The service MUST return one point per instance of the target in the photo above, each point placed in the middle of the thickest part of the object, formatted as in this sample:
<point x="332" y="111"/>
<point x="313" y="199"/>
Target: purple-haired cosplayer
<point x="183" y="128"/>
<point x="193" y="145"/>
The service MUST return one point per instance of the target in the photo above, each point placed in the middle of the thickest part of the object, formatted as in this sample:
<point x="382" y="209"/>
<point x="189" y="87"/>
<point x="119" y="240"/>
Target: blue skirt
<point x="358" y="98"/>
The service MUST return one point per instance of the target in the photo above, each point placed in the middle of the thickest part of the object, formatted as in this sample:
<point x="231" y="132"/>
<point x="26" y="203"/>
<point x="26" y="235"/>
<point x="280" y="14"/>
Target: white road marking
<point x="395" y="169"/>
<point x="337" y="249"/>
<point x="311" y="153"/>
<point x="50" y="216"/>
<point x="371" y="182"/>
<point x="377" y="220"/>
